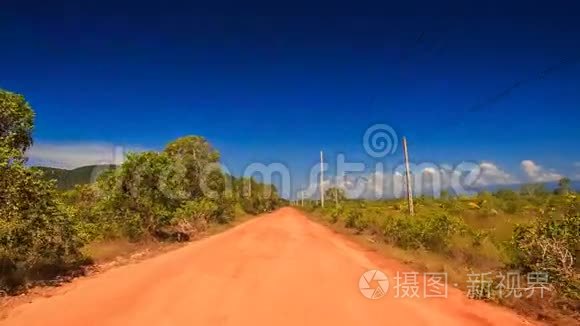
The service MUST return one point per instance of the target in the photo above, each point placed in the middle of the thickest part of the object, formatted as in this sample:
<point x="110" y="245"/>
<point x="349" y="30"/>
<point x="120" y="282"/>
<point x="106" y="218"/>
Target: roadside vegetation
<point x="531" y="230"/>
<point x="167" y="196"/>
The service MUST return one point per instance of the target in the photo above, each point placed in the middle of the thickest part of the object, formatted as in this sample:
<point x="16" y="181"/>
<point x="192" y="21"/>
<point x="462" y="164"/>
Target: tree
<point x="564" y="187"/>
<point x="197" y="160"/>
<point x="336" y="194"/>
<point x="35" y="228"/>
<point x="535" y="189"/>
<point x="144" y="194"/>
<point x="253" y="196"/>
<point x="16" y="123"/>
<point x="507" y="194"/>
<point x="138" y="195"/>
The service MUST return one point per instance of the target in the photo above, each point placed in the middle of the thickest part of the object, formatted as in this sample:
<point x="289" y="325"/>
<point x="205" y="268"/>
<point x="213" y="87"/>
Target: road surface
<point x="278" y="269"/>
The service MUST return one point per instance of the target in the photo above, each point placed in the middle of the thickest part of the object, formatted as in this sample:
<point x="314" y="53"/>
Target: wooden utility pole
<point x="321" y="180"/>
<point x="408" y="178"/>
<point x="302" y="198"/>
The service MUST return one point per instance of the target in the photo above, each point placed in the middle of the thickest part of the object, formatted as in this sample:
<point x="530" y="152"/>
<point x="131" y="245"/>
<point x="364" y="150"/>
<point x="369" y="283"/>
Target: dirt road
<point x="279" y="269"/>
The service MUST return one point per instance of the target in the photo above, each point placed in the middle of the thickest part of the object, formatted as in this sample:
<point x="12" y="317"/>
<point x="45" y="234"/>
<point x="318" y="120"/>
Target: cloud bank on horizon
<point x="433" y="180"/>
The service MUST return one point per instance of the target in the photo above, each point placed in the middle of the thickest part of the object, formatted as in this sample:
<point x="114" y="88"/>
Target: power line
<point x="518" y="84"/>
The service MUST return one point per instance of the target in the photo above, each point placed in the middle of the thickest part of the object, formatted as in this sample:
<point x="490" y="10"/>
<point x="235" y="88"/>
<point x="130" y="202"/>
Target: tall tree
<point x="335" y="194"/>
<point x="16" y="122"/>
<point x="35" y="230"/>
<point x="564" y="186"/>
<point x="534" y="189"/>
<point x="197" y="159"/>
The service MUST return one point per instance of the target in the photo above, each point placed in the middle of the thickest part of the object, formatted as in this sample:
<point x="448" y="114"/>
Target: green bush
<point x="193" y="218"/>
<point x="250" y="205"/>
<point x="512" y="207"/>
<point x="355" y="219"/>
<point x="430" y="232"/>
<point x="336" y="213"/>
<point x="261" y="199"/>
<point x="226" y="210"/>
<point x="38" y="237"/>
<point x="352" y="217"/>
<point x="506" y="194"/>
<point x="550" y="244"/>
<point x="37" y="234"/>
<point x="91" y="222"/>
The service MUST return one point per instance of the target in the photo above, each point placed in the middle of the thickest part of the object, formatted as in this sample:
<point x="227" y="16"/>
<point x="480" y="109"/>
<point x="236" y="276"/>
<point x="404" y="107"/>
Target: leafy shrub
<point x="354" y="219"/>
<point x="550" y="245"/>
<point x="83" y="204"/>
<point x="429" y="232"/>
<point x="506" y="194"/>
<point x="512" y="207"/>
<point x="478" y="237"/>
<point x="193" y="217"/>
<point x="350" y="218"/>
<point x="403" y="232"/>
<point x="37" y="234"/>
<point x="336" y="213"/>
<point x="451" y="205"/>
<point x="262" y="198"/>
<point x="225" y="211"/>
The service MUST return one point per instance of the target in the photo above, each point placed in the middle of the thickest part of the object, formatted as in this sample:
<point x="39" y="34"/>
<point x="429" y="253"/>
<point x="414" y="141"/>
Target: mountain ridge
<point x="66" y="179"/>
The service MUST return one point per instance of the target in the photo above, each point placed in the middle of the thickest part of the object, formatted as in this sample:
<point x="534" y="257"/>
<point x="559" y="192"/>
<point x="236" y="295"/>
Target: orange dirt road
<point x="278" y="269"/>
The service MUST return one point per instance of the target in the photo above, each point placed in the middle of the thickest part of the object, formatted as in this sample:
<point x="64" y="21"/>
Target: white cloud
<point x="428" y="179"/>
<point x="373" y="185"/>
<point x="577" y="164"/>
<point x="429" y="170"/>
<point x="74" y="155"/>
<point x="491" y="174"/>
<point x="537" y="173"/>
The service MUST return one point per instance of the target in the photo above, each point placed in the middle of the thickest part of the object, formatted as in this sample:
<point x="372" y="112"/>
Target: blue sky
<point x="269" y="83"/>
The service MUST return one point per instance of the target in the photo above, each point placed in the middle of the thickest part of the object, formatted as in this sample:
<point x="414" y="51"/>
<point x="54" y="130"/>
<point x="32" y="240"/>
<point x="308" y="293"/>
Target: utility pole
<point x="302" y="198"/>
<point x="250" y="187"/>
<point x="321" y="180"/>
<point x="408" y="178"/>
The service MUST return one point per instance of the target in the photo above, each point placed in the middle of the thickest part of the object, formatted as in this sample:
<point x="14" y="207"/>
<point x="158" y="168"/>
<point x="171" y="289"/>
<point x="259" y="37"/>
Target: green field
<point x="505" y="231"/>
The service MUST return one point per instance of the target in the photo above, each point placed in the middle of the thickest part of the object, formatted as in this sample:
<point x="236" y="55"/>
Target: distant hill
<point x="67" y="179"/>
<point x="550" y="186"/>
